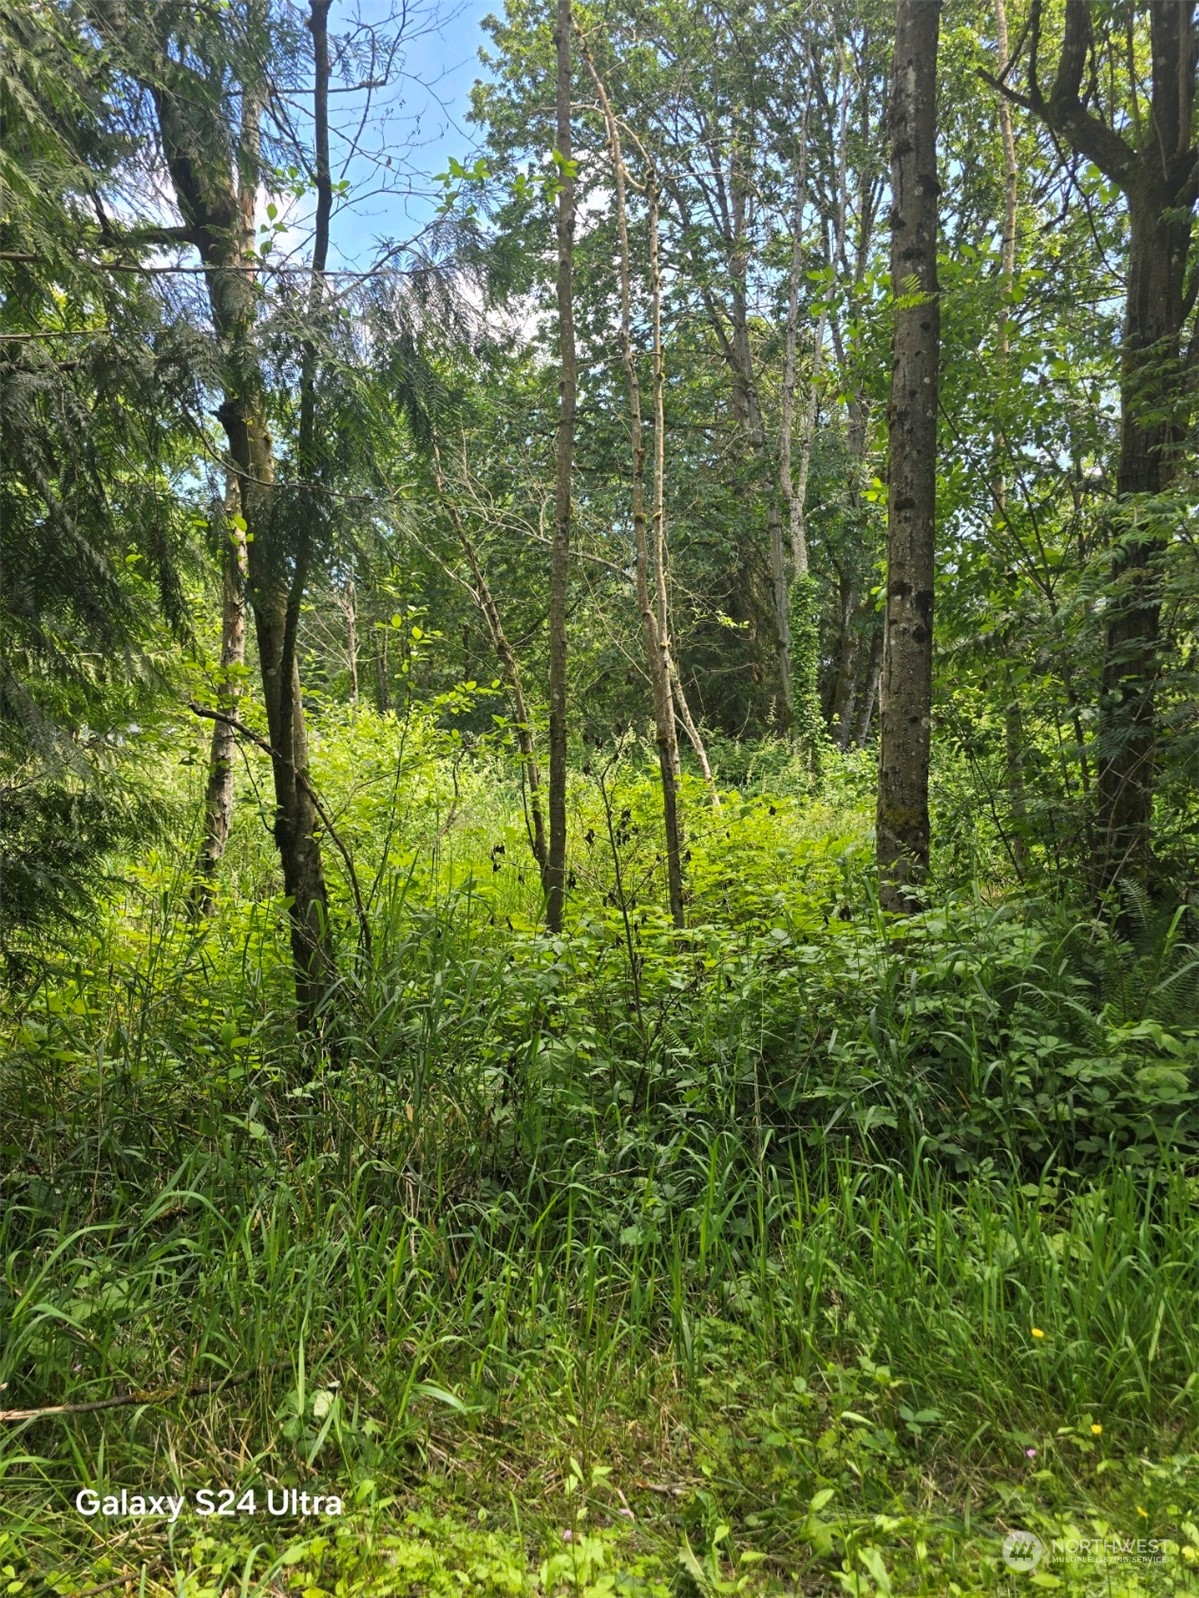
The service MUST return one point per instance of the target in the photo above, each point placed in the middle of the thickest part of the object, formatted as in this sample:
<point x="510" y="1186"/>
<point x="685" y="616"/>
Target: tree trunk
<point x="902" y="814"/>
<point x="1013" y="720"/>
<point x="382" y="684"/>
<point x="850" y="689"/>
<point x="1159" y="174"/>
<point x="856" y="616"/>
<point x="870" y="687"/>
<point x="485" y="600"/>
<point x="201" y="160"/>
<point x="653" y="608"/>
<point x="735" y="347"/>
<point x="1017" y="797"/>
<point x="683" y="711"/>
<point x="749" y="405"/>
<point x="218" y="795"/>
<point x="295" y="827"/>
<point x="1149" y="435"/>
<point x="351" y="604"/>
<point x="554" y="878"/>
<point x="671" y="687"/>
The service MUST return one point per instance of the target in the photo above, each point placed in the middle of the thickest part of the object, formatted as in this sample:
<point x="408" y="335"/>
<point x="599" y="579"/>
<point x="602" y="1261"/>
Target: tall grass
<point x="788" y="1204"/>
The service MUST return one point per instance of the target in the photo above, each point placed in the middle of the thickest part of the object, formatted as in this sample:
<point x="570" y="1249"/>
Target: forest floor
<point x="801" y="1254"/>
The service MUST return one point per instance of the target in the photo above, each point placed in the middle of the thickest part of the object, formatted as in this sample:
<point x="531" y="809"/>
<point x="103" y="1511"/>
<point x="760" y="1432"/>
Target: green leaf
<point x="873" y="1562"/>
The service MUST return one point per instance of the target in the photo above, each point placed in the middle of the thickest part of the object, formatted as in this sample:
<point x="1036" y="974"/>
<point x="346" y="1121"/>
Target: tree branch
<point x="261" y="743"/>
<point x="1064" y="111"/>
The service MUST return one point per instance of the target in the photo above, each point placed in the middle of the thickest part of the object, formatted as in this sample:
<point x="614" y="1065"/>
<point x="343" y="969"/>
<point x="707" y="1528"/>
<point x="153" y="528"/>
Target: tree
<point x="1151" y="156"/>
<point x="192" y="73"/>
<point x="95" y="389"/>
<point x="555" y="865"/>
<point x="902" y="820"/>
<point x="655" y="620"/>
<point x="481" y="593"/>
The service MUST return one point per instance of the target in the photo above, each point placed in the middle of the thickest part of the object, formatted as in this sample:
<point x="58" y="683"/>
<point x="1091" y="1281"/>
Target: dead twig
<point x="160" y="1395"/>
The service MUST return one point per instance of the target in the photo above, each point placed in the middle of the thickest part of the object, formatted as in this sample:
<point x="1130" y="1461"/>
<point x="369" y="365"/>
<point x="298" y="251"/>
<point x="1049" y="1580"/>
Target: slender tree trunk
<point x="851" y="705"/>
<point x="859" y="619"/>
<point x="780" y="590"/>
<point x="554" y="877"/>
<point x="795" y="490"/>
<point x="902" y="816"/>
<point x="856" y="617"/>
<point x="382" y="685"/>
<point x="351" y="604"/>
<point x="295" y="827"/>
<point x="1013" y="760"/>
<point x="801" y="594"/>
<point x="652" y="605"/>
<point x="1013" y="720"/>
<point x="870" y="688"/>
<point x="731" y="332"/>
<point x="755" y="428"/>
<point x="218" y="795"/>
<point x="672" y="688"/>
<point x="1011" y="177"/>
<point x="676" y="696"/>
<point x="695" y="738"/>
<point x="218" y="798"/>
<point x="485" y="600"/>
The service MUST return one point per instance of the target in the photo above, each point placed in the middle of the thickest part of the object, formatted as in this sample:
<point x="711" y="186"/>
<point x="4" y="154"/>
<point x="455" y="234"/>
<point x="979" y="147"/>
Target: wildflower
<point x="1144" y="1513"/>
<point x="1096" y="1430"/>
<point x="1031" y="1452"/>
<point x="1037" y="1332"/>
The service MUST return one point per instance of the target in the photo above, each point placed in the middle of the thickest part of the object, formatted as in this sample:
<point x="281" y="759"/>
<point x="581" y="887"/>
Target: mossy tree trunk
<point x="902" y="813"/>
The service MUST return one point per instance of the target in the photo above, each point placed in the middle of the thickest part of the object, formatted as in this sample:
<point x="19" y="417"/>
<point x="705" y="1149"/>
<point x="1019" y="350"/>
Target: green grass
<point x="572" y="1272"/>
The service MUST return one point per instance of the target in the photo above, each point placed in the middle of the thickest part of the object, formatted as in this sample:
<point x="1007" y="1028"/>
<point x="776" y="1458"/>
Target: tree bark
<point x="218" y="794"/>
<point x="296" y="826"/>
<point x="749" y="403"/>
<point x="554" y="877"/>
<point x="694" y="736"/>
<point x="902" y="814"/>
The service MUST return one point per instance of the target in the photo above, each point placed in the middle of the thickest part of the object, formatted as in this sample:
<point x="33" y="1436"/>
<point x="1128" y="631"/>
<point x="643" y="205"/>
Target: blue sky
<point x="417" y="124"/>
